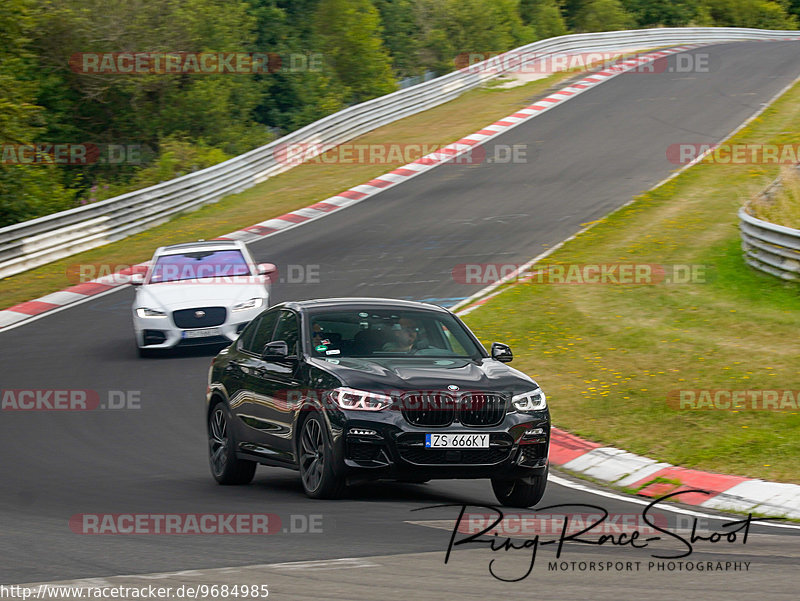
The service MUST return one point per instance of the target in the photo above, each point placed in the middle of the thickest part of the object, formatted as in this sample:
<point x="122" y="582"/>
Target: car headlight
<point x="533" y="400"/>
<point x="145" y="312"/>
<point x="350" y="398"/>
<point x="253" y="303"/>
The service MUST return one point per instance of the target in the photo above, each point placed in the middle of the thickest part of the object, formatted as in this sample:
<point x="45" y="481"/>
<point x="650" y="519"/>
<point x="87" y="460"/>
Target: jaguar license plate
<point x="204" y="333"/>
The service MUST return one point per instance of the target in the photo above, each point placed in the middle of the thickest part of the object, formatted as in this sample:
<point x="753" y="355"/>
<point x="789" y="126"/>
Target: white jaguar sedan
<point x="198" y="293"/>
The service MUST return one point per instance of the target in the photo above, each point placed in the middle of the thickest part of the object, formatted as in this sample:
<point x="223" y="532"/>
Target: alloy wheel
<point x="218" y="441"/>
<point x="312" y="454"/>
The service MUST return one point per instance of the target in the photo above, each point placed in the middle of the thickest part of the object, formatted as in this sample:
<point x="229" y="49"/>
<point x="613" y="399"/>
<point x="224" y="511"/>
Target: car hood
<point x="426" y="374"/>
<point x="177" y="295"/>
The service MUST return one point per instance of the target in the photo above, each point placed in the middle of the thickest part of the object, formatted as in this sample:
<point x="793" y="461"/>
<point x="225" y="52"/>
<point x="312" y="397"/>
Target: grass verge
<point x="609" y="356"/>
<point x="299" y="187"/>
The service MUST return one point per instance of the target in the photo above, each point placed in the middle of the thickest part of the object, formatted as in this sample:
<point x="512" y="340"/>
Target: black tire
<point x="317" y="472"/>
<point x="518" y="493"/>
<point x="225" y="466"/>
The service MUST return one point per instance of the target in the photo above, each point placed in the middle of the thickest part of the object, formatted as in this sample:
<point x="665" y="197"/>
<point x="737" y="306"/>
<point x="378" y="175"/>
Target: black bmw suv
<point x="345" y="390"/>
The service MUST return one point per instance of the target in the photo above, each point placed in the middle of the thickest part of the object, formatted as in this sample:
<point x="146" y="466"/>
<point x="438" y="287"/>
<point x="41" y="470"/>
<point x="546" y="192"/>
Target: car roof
<point x="200" y="245"/>
<point x="358" y="302"/>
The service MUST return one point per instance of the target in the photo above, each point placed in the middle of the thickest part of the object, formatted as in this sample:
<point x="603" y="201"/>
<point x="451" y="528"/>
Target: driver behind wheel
<point x="406" y="334"/>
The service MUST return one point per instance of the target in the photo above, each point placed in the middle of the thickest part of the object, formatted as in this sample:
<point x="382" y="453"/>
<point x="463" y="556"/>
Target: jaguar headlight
<point x="253" y="303"/>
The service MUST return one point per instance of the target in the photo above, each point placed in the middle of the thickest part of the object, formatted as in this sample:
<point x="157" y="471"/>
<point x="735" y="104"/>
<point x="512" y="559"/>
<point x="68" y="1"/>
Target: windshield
<point x="388" y="333"/>
<point x="199" y="265"/>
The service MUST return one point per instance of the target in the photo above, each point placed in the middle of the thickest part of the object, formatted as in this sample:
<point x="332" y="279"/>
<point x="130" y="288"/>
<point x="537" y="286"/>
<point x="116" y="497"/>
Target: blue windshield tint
<point x="199" y="265"/>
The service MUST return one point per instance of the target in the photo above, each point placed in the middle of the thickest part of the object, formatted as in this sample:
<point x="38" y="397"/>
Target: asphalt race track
<point x="585" y="158"/>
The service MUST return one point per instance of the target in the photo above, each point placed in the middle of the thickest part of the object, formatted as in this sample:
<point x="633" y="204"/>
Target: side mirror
<point x="267" y="269"/>
<point x="275" y="351"/>
<point x="137" y="279"/>
<point x="502" y="352"/>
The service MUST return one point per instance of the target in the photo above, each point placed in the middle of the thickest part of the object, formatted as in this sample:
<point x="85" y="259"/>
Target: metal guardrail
<point x="769" y="247"/>
<point x="39" y="241"/>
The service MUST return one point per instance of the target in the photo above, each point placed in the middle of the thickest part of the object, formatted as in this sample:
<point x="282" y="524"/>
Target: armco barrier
<point x="32" y="243"/>
<point x="769" y="247"/>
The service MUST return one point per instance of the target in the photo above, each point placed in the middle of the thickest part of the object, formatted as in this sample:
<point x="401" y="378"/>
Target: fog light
<point x="362" y="432"/>
<point x="153" y="337"/>
<point x="533" y="434"/>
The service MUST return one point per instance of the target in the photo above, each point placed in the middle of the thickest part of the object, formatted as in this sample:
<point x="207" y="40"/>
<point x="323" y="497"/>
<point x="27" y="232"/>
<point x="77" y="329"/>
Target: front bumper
<point x="383" y="445"/>
<point x="162" y="333"/>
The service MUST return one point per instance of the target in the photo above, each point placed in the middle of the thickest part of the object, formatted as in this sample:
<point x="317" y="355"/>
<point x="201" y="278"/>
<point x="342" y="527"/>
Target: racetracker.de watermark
<point x="296" y="153"/>
<point x="181" y="524"/>
<point x="61" y="592"/>
<point x="734" y="154"/>
<point x="546" y="63"/>
<point x="194" y="63"/>
<point x="74" y="154"/>
<point x="532" y="524"/>
<point x="482" y="274"/>
<point x="733" y="400"/>
<point x="206" y="273"/>
<point x="62" y="399"/>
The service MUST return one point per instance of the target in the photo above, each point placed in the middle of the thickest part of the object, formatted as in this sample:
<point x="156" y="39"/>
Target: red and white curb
<point x="654" y="479"/>
<point x="18" y="314"/>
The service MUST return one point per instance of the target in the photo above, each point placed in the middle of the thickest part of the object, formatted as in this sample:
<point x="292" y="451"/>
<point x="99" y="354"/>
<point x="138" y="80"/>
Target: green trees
<point x="137" y="110"/>
<point x="602" y="15"/>
<point x="766" y="14"/>
<point x="400" y="36"/>
<point x="302" y="89"/>
<point x="450" y="28"/>
<point x="141" y="107"/>
<point x="18" y="113"/>
<point x="26" y="191"/>
<point x="324" y="56"/>
<point x="651" y="13"/>
<point x="763" y="14"/>
<point x="544" y="16"/>
<point x="348" y="33"/>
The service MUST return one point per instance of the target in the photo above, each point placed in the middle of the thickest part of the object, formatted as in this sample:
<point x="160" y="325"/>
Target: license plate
<point x="457" y="441"/>
<point x="204" y="333"/>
